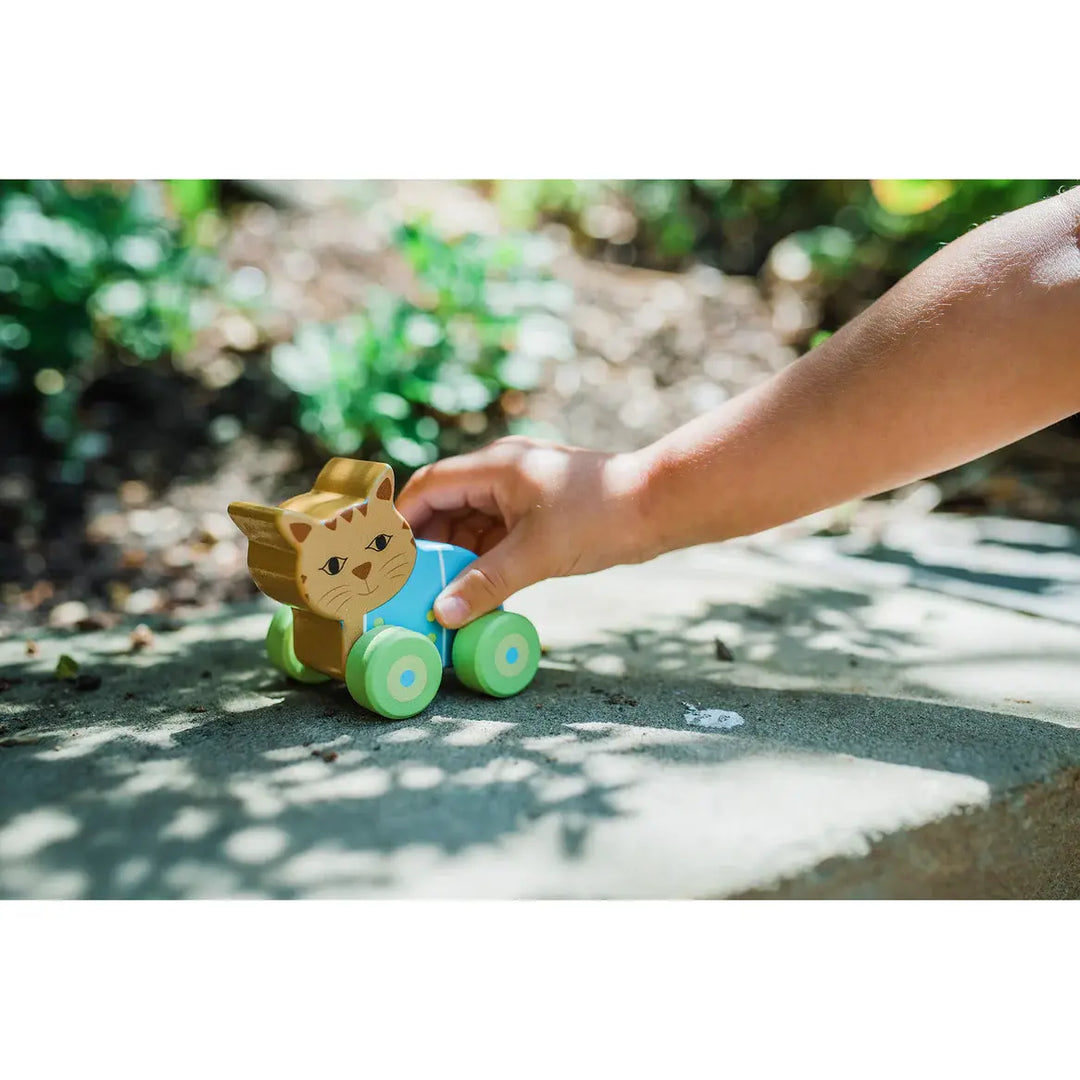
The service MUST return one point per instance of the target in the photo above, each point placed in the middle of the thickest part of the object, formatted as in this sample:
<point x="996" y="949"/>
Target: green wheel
<point x="279" y="647"/>
<point x="393" y="672"/>
<point x="497" y="654"/>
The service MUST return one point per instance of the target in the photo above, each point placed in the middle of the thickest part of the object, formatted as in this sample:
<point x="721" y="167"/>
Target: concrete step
<point x="870" y="738"/>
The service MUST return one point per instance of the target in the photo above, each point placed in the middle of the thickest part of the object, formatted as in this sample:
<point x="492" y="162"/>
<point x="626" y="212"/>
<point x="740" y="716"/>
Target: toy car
<point x="357" y="592"/>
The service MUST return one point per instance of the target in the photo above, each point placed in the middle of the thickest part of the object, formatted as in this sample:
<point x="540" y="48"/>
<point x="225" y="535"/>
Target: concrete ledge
<point x="867" y="740"/>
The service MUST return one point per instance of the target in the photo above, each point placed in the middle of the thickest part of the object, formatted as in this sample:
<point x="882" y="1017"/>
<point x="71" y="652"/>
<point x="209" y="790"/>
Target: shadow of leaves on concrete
<point x="200" y="772"/>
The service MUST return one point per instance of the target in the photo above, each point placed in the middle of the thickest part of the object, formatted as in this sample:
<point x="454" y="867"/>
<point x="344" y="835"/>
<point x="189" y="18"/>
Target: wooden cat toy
<point x="357" y="594"/>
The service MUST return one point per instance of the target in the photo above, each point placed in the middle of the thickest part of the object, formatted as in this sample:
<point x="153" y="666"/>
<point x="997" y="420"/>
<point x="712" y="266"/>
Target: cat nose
<point x="362" y="571"/>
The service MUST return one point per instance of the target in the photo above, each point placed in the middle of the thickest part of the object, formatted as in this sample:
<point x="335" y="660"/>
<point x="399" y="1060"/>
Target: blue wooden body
<point x="412" y="606"/>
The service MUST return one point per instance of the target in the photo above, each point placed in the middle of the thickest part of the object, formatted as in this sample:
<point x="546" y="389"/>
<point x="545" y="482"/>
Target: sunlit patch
<point x="614" y="666"/>
<point x="288" y="753"/>
<point x="405" y="735"/>
<point x="300" y="772"/>
<point x="29" y="833"/>
<point x="551" y="789"/>
<point x="367" y="783"/>
<point x="189" y="823"/>
<point x="193" y="879"/>
<point x="420" y="777"/>
<point x="474" y="732"/>
<point x="257" y="844"/>
<point x="546" y="743"/>
<point x="500" y="771"/>
<point x="612" y="770"/>
<point x="257" y="799"/>
<point x="147" y="777"/>
<point x="249" y="703"/>
<point x="32" y="882"/>
<point x="323" y="864"/>
<point x="131" y="873"/>
<point x="86" y="740"/>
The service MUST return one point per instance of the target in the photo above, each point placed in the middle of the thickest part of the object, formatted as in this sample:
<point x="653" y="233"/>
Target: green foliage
<point x="402" y="379"/>
<point x="193" y="201"/>
<point x="860" y="236"/>
<point x="85" y="270"/>
<point x="523" y="204"/>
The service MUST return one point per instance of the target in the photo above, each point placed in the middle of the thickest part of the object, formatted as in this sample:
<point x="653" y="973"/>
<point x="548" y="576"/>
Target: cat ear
<point x="296" y="528"/>
<point x="254" y="521"/>
<point x="383" y="487"/>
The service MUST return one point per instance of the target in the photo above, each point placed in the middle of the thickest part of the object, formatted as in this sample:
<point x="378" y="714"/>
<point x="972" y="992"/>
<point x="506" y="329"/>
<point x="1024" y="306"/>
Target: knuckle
<point x="514" y="446"/>
<point x="488" y="581"/>
<point x="418" y="479"/>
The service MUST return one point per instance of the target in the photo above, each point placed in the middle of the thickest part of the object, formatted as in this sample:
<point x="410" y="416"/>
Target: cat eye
<point x="333" y="565"/>
<point x="380" y="542"/>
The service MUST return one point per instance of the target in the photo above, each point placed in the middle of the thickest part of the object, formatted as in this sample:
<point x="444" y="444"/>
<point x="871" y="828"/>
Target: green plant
<point x="412" y="376"/>
<point x="87" y="270"/>
<point x="859" y="236"/>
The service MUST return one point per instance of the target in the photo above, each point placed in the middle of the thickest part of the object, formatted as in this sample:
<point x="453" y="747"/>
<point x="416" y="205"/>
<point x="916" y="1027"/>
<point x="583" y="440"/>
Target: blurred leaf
<point x="66" y="667"/>
<point x="906" y="197"/>
<point x="192" y="197"/>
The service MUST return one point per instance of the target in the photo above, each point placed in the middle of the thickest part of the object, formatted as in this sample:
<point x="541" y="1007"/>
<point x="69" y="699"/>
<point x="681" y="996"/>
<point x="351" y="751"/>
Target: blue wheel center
<point x="408" y="678"/>
<point x="511" y="656"/>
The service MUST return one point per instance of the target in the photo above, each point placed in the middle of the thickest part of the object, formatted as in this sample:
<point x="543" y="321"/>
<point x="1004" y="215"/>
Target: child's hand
<point x="973" y="349"/>
<point x="530" y="510"/>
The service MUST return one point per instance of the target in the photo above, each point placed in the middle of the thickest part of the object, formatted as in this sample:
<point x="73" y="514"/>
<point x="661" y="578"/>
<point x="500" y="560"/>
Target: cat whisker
<point x="330" y="601"/>
<point x="332" y="598"/>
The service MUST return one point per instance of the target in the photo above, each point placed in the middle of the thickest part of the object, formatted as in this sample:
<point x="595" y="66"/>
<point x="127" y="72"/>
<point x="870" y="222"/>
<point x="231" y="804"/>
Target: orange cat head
<point x="339" y="550"/>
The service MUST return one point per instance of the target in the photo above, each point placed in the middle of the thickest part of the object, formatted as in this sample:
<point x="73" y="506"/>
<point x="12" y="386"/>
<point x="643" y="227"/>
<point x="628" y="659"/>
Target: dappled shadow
<point x="1027" y="583"/>
<point x="791" y="632"/>
<point x="217" y="778"/>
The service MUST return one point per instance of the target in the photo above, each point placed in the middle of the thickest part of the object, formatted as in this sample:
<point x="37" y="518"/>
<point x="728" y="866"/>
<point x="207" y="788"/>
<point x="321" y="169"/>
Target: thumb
<point x="485" y="583"/>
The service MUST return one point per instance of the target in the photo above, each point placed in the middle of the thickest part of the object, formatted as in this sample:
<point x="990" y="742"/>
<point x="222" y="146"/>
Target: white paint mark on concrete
<point x="718" y="719"/>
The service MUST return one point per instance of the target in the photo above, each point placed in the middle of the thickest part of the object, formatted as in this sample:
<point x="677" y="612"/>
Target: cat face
<point x="353" y="562"/>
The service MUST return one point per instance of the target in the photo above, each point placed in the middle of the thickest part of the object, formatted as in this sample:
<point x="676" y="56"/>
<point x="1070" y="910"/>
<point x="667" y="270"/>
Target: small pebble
<point x="68" y="615"/>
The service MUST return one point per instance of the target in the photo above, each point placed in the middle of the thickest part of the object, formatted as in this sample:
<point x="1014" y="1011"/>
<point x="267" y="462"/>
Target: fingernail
<point x="451" y="611"/>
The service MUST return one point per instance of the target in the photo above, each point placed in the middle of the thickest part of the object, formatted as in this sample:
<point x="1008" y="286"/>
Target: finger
<point x="436" y="528"/>
<point x="469" y="530"/>
<point x="495" y="535"/>
<point x="458" y="483"/>
<point x="484" y="584"/>
<point x="441" y="524"/>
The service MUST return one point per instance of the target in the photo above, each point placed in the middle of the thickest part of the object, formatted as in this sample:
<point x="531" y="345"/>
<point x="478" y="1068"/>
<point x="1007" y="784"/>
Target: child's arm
<point x="977" y="347"/>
